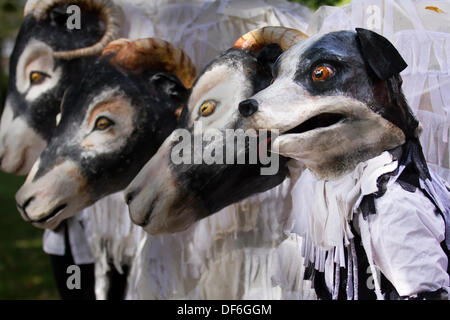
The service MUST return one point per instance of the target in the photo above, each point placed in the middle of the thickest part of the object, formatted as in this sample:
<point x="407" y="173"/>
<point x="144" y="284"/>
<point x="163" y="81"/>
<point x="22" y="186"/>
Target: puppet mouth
<point x="145" y="221"/>
<point x="54" y="213"/>
<point x="322" y="120"/>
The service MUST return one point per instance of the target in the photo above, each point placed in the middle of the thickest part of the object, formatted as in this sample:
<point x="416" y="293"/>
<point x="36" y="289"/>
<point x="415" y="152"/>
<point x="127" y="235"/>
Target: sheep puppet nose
<point x="248" y="107"/>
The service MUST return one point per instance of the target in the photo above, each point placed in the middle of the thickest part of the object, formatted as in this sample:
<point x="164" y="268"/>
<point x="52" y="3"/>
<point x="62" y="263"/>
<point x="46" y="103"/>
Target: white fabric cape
<point x="402" y="240"/>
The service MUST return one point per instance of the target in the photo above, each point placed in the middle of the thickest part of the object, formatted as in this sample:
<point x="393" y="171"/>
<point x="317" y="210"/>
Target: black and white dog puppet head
<point x="167" y="197"/>
<point x="336" y="101"/>
<point x="111" y="124"/>
<point x="46" y="59"/>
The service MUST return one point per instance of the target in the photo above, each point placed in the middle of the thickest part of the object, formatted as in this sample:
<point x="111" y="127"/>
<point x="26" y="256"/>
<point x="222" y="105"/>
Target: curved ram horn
<point x="110" y="13"/>
<point x="138" y="55"/>
<point x="255" y="40"/>
<point x="29" y="7"/>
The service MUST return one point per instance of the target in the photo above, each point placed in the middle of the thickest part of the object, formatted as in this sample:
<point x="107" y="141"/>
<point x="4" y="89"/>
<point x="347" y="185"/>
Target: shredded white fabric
<point x="241" y="252"/>
<point x="53" y="241"/>
<point x="367" y="244"/>
<point x="112" y="237"/>
<point x="404" y="239"/>
<point x="323" y="209"/>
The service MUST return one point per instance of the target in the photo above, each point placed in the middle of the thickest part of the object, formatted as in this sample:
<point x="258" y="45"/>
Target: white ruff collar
<point x="323" y="209"/>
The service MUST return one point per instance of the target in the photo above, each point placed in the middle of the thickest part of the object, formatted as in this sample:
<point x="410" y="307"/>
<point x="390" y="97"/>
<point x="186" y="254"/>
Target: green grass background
<point x="25" y="271"/>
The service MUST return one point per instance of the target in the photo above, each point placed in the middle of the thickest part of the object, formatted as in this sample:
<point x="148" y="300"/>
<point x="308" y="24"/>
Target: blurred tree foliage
<point x="314" y="4"/>
<point x="11" y="16"/>
<point x="25" y="271"/>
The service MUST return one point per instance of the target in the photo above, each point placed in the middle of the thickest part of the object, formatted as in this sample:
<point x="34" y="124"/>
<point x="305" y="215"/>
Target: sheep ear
<point x="58" y="16"/>
<point x="269" y="55"/>
<point x="169" y="84"/>
<point x="381" y="56"/>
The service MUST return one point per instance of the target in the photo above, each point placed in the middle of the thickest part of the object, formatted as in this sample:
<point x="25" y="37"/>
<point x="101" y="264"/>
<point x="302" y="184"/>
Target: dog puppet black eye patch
<point x="382" y="57"/>
<point x="339" y="52"/>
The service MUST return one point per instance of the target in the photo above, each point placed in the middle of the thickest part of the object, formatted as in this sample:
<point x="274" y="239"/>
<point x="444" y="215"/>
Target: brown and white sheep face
<point x="57" y="187"/>
<point x="36" y="76"/>
<point x="47" y="58"/>
<point x="112" y="122"/>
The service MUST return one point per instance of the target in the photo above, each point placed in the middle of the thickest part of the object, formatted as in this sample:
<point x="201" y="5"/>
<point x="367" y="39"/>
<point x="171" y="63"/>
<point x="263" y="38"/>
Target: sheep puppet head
<point x="112" y="122"/>
<point x="46" y="59"/>
<point x="168" y="197"/>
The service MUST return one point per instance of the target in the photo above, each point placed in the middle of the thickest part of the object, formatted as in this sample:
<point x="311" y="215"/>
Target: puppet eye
<point x="207" y="108"/>
<point x="103" y="123"/>
<point x="322" y="73"/>
<point x="37" y="77"/>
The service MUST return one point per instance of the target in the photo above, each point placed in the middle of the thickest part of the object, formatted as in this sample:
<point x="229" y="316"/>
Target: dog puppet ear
<point x="382" y="57"/>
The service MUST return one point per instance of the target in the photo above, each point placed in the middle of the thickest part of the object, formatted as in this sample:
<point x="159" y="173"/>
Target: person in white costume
<point x="117" y="242"/>
<point x="213" y="29"/>
<point x="46" y="59"/>
<point x="242" y="252"/>
<point x="250" y="238"/>
<point x="390" y="14"/>
<point x="420" y="30"/>
<point x="364" y="196"/>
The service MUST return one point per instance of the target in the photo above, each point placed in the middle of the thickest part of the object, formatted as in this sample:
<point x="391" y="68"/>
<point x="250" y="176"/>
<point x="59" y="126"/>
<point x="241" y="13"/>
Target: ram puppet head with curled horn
<point x="112" y="122"/>
<point x="46" y="59"/>
<point x="168" y="196"/>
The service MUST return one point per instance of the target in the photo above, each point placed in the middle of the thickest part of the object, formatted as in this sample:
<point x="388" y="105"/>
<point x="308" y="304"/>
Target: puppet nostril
<point x="248" y="107"/>
<point x="22" y="208"/>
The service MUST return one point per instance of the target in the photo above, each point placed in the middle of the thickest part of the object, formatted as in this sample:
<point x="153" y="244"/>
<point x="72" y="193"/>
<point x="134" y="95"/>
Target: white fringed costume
<point x="402" y="238"/>
<point x="242" y="252"/>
